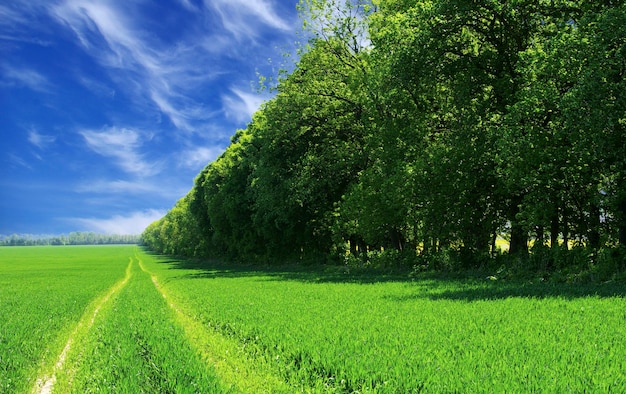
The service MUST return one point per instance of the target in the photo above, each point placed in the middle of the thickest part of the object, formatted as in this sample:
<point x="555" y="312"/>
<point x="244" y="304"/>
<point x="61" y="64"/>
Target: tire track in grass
<point x="45" y="383"/>
<point x="233" y="368"/>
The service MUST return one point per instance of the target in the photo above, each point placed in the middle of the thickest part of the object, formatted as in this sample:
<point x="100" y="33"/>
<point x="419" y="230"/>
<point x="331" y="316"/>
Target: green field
<point x="116" y="319"/>
<point x="44" y="291"/>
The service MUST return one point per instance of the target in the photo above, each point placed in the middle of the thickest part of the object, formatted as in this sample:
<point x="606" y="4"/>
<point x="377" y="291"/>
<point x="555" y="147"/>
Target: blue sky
<point x="110" y="108"/>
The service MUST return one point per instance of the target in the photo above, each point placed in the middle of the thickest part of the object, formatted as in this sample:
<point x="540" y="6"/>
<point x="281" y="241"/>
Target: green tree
<point x="310" y="137"/>
<point x="595" y="108"/>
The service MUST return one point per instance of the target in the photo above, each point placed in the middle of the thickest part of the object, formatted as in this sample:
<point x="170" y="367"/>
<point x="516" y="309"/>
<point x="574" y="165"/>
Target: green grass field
<point x="44" y="291"/>
<point x="135" y="345"/>
<point x="331" y="331"/>
<point x="136" y="322"/>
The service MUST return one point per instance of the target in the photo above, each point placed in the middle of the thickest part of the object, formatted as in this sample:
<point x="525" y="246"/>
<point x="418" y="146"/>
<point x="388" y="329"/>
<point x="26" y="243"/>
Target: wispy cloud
<point x="9" y="15"/>
<point x="182" y="111"/>
<point x="242" y="17"/>
<point x="188" y="5"/>
<point x="16" y="19"/>
<point x="118" y="187"/>
<point x="168" y="75"/>
<point x="122" y="145"/>
<point x="22" y="76"/>
<point x="132" y="223"/>
<point x="99" y="88"/>
<point x="41" y="141"/>
<point x="240" y="105"/>
<point x="16" y="161"/>
<point x="200" y="157"/>
<point x="133" y="187"/>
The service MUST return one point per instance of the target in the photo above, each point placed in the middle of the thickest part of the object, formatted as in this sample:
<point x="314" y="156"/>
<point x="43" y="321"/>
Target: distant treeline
<point x="74" y="238"/>
<point x="423" y="131"/>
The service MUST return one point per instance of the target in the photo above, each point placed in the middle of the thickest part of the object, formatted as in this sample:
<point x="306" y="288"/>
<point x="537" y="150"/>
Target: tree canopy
<point x="426" y="128"/>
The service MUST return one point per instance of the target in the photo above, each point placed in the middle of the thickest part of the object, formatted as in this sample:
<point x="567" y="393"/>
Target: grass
<point x="143" y="323"/>
<point x="334" y="332"/>
<point x="43" y="293"/>
<point x="136" y="346"/>
<point x="87" y="319"/>
<point x="237" y="370"/>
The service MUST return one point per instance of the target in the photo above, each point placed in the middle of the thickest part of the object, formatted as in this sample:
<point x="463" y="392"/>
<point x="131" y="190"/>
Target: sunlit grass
<point x="329" y="332"/>
<point x="237" y="369"/>
<point x="43" y="293"/>
<point x="136" y="346"/>
<point x="179" y="326"/>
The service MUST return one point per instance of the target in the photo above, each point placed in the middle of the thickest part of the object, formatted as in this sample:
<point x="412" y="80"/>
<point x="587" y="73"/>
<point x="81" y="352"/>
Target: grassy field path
<point x="237" y="371"/>
<point x="119" y="319"/>
<point x="132" y="343"/>
<point x="136" y="337"/>
<point x="87" y="319"/>
<point x="45" y="384"/>
<point x="45" y="291"/>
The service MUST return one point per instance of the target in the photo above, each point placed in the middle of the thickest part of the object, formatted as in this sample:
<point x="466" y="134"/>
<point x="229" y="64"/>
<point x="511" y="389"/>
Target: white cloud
<point x="172" y="76"/>
<point x="122" y="145"/>
<point x="200" y="157"/>
<point x="131" y="223"/>
<point x="39" y="140"/>
<point x="124" y="188"/>
<point x="166" y="75"/>
<point x="9" y="16"/>
<point x="241" y="17"/>
<point x="241" y="105"/>
<point x="181" y="112"/>
<point x="118" y="186"/>
<point x="21" y="76"/>
<point x="188" y="5"/>
<point x="89" y="19"/>
<point x="18" y="161"/>
<point x="16" y="18"/>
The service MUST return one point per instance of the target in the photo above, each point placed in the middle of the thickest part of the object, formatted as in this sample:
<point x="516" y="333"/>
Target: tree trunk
<point x="540" y="234"/>
<point x="397" y="240"/>
<point x="353" y="246"/>
<point x="519" y="239"/>
<point x="554" y="230"/>
<point x="594" y="226"/>
<point x="519" y="236"/>
<point x="565" y="232"/>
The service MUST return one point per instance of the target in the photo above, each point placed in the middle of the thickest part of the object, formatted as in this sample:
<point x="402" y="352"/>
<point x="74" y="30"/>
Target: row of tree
<point x="74" y="238"/>
<point x="424" y="127"/>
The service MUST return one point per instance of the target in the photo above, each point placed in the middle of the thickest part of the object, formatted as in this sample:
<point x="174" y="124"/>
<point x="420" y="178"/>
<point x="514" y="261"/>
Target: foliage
<point x="429" y="129"/>
<point x="75" y="238"/>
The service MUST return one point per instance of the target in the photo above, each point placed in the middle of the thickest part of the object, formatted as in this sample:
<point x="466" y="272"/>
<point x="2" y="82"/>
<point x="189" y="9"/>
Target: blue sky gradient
<point x="109" y="109"/>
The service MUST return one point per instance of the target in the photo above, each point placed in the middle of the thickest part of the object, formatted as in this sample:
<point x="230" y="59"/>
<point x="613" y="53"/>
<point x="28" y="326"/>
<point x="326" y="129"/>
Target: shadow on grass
<point x="468" y="286"/>
<point x="472" y="290"/>
<point x="294" y="272"/>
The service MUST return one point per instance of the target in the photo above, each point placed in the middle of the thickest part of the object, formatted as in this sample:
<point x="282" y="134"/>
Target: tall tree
<point x="310" y="150"/>
<point x="595" y="108"/>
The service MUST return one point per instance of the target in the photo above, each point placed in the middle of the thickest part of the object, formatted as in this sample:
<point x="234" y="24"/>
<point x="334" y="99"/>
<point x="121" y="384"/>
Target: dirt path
<point x="45" y="383"/>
